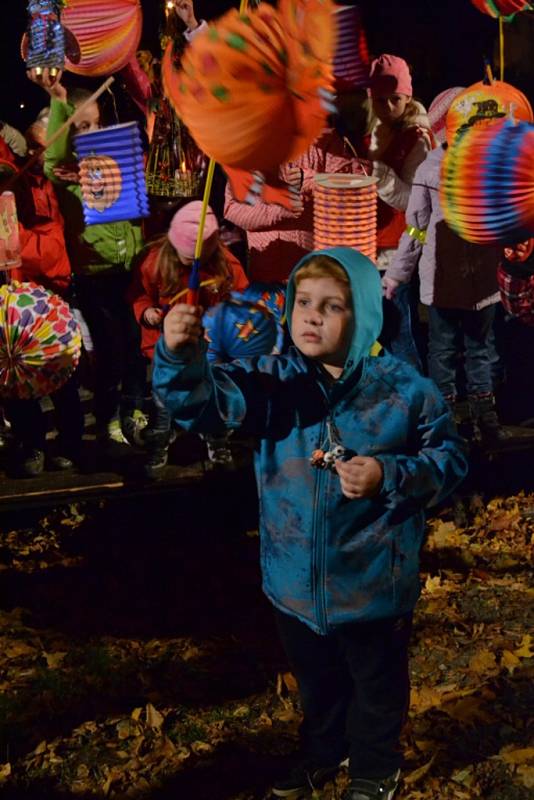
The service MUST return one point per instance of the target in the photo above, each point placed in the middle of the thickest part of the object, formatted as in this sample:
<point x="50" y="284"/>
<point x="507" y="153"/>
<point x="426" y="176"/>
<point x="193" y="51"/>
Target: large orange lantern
<point x="253" y="89"/>
<point x="484" y="104"/>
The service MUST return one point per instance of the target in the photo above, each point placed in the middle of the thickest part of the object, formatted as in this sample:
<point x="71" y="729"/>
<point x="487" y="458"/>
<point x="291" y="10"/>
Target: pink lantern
<point x="344" y="212"/>
<point x="9" y="233"/>
<point x="351" y="58"/>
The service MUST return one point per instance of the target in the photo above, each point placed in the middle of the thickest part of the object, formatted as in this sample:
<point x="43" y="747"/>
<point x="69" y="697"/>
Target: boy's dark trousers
<point x="354" y="690"/>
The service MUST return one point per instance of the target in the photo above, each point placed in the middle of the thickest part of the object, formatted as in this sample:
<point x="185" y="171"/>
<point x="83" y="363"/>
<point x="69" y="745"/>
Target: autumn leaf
<point x="5" y="771"/>
<point x="519" y="756"/>
<point x="509" y="661"/>
<point x="525" y="648"/>
<point x="153" y="718"/>
<point x="469" y="711"/>
<point x="419" y="773"/>
<point x="483" y="662"/>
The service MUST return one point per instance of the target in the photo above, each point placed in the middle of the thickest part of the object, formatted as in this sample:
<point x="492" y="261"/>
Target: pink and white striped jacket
<point x="277" y="237"/>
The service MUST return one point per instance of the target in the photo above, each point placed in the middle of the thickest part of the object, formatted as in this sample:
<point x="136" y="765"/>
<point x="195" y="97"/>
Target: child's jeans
<point x="450" y="332"/>
<point x="354" y="690"/>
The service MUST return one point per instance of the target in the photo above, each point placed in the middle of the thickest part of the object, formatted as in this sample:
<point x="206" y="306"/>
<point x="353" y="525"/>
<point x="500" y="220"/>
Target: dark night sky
<point x="443" y="41"/>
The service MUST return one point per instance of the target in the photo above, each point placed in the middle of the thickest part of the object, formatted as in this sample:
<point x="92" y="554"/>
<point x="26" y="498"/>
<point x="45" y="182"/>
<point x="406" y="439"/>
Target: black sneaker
<point x="372" y="789"/>
<point x="156" y="461"/>
<point x="303" y="780"/>
<point x="32" y="464"/>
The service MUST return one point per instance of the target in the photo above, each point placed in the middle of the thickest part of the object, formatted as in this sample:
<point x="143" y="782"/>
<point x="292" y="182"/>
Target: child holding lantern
<point x="101" y="257"/>
<point x="341" y="528"/>
<point x="162" y="275"/>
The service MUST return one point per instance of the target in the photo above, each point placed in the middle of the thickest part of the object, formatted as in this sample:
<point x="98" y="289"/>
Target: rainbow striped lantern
<point x="487" y="183"/>
<point x="344" y="212"/>
<point x="103" y="34"/>
<point x="43" y="45"/>
<point x="351" y="59"/>
<point x="501" y="8"/>
<point x="112" y="174"/>
<point x="40" y="341"/>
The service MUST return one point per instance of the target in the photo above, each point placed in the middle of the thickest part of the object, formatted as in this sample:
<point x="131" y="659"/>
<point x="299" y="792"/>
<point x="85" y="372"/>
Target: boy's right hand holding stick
<point x="182" y="325"/>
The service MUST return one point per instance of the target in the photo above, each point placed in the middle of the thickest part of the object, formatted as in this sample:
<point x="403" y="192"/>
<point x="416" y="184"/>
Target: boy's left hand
<point x="360" y="477"/>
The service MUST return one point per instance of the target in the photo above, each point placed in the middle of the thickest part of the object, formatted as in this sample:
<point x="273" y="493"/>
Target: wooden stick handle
<point x="55" y="136"/>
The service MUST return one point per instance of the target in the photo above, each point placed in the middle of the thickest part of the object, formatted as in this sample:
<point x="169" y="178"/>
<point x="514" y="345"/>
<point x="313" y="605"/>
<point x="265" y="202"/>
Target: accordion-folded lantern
<point x="487" y="183"/>
<point x="344" y="212"/>
<point x="40" y="341"/>
<point x="501" y="8"/>
<point x="351" y="57"/>
<point x="484" y="104"/>
<point x="106" y="34"/>
<point x="112" y="175"/>
<point x="252" y="88"/>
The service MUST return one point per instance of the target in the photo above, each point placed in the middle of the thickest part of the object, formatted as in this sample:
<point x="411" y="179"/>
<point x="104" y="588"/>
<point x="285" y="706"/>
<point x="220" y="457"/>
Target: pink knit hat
<point x="437" y="113"/>
<point x="183" y="230"/>
<point x="390" y="75"/>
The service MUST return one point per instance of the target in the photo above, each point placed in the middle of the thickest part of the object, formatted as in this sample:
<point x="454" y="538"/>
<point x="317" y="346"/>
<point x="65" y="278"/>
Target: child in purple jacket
<point x="458" y="284"/>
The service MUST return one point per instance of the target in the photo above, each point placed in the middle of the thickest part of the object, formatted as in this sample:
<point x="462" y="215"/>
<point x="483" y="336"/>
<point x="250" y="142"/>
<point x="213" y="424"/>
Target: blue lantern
<point x="112" y="174"/>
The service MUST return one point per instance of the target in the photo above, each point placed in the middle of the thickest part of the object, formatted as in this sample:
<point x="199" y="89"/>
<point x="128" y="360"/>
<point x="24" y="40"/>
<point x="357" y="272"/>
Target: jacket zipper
<point x="319" y="546"/>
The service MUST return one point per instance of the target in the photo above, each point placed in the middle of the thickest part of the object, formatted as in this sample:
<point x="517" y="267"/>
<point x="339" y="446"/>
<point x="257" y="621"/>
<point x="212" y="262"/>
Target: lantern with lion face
<point x="112" y="174"/>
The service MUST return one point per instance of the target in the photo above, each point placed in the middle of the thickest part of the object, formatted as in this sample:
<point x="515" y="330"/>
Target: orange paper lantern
<point x="253" y="89"/>
<point x="344" y="212"/>
<point x="484" y="104"/>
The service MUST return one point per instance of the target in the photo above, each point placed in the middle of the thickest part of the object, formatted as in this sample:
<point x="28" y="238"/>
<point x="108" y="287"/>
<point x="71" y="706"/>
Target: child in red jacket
<point x="159" y="279"/>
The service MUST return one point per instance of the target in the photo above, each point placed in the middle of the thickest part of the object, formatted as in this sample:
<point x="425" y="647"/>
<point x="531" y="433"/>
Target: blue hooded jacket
<point x="326" y="559"/>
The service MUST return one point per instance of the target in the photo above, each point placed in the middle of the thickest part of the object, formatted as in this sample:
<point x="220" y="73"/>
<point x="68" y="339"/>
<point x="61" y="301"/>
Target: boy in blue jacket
<point x="351" y="448"/>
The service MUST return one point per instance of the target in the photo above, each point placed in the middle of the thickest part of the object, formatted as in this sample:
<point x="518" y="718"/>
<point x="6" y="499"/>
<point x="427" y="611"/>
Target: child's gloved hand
<point x="389" y="286"/>
<point x="182" y="325"/>
<point x="360" y="477"/>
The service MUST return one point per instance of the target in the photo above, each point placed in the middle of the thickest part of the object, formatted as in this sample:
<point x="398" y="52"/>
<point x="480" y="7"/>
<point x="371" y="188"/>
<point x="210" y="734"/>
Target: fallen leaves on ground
<point x="130" y="716"/>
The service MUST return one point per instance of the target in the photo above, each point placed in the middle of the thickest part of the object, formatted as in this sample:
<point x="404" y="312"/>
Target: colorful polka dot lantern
<point x="253" y="89"/>
<point x="107" y="34"/>
<point x="44" y="41"/>
<point x="487" y="183"/>
<point x="112" y="174"/>
<point x="501" y="8"/>
<point x="40" y="341"/>
<point x="248" y="324"/>
<point x="344" y="212"/>
<point x="351" y="58"/>
<point x="485" y="104"/>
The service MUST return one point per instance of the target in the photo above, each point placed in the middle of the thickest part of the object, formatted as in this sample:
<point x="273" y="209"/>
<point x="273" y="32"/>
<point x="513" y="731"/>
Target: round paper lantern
<point x="351" y="58"/>
<point x="484" y="104"/>
<point x="44" y="41"/>
<point x="501" y="8"/>
<point x="248" y="324"/>
<point x="40" y="341"/>
<point x="107" y="33"/>
<point x="112" y="174"/>
<point x="344" y="212"/>
<point x="252" y="89"/>
<point x="487" y="183"/>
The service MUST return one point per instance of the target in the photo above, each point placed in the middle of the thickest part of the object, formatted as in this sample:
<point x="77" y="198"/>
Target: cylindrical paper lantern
<point x="351" y="57"/>
<point x="112" y="174"/>
<point x="484" y="104"/>
<point x="175" y="165"/>
<point x="107" y="33"/>
<point x="487" y="184"/>
<point x="9" y="232"/>
<point x="40" y="341"/>
<point x="44" y="41"/>
<point x="501" y="8"/>
<point x="344" y="212"/>
<point x="252" y="94"/>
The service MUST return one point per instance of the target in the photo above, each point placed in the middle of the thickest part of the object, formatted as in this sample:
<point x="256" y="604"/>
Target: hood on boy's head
<point x="366" y="291"/>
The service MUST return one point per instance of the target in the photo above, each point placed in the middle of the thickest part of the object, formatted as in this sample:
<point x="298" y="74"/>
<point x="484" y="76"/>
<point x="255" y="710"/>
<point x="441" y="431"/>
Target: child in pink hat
<point x="398" y="142"/>
<point x="161" y="276"/>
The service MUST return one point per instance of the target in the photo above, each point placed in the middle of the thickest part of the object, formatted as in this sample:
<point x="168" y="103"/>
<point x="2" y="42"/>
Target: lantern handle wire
<point x="194" y="275"/>
<point x="501" y="47"/>
<point x="60" y="131"/>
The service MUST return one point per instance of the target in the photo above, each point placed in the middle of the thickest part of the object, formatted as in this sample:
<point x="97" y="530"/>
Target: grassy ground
<point x="141" y="661"/>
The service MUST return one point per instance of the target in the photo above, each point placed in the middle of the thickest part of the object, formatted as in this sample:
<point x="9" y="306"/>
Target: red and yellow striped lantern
<point x="344" y="212"/>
